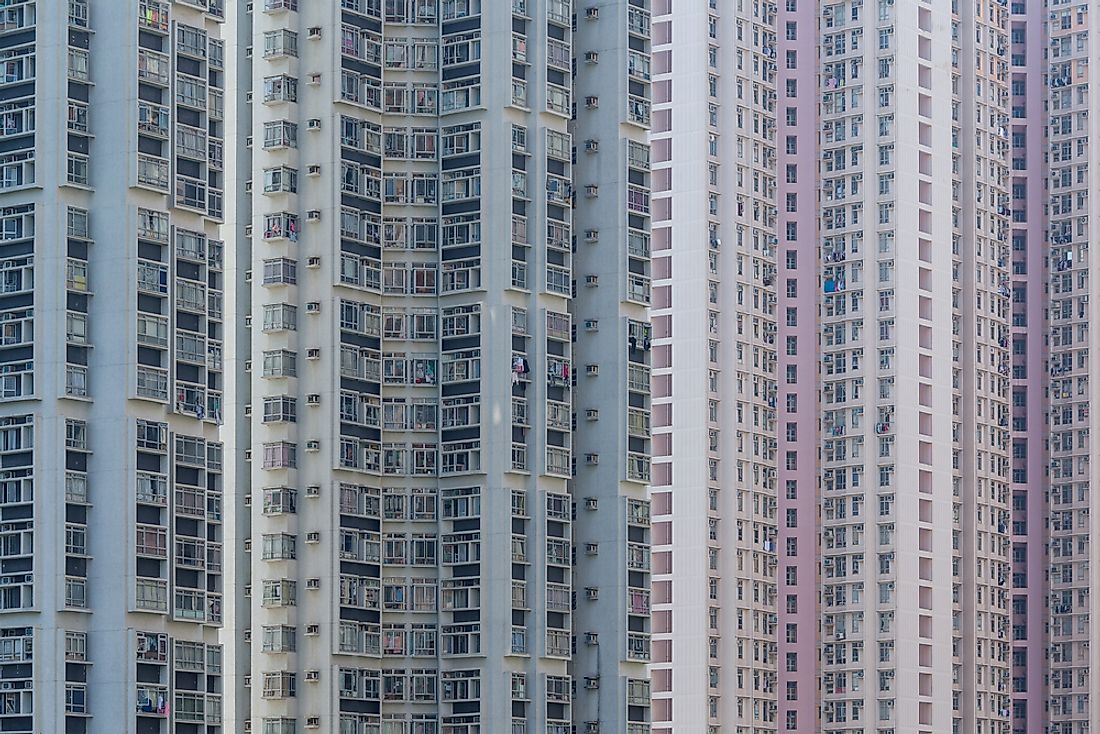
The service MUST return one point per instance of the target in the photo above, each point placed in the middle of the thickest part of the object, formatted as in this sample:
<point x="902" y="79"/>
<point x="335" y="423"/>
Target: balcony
<point x="151" y="595"/>
<point x="152" y="489"/>
<point x="638" y="601"/>
<point x="152" y="383"/>
<point x="153" y="67"/>
<point x="558" y="462"/>
<point x="153" y="172"/>
<point x="153" y="15"/>
<point x="191" y="193"/>
<point x="152" y="701"/>
<point x="638" y="422"/>
<point x="638" y="646"/>
<point x="519" y="595"/>
<point x="558" y="644"/>
<point x="153" y="120"/>
<point x="190" y="604"/>
<point x="637" y="557"/>
<point x="558" y="11"/>
<point x="558" y="597"/>
<point x="559" y="416"/>
<point x="637" y="467"/>
<point x="519" y="457"/>
<point x="190" y="502"/>
<point x="190" y="707"/>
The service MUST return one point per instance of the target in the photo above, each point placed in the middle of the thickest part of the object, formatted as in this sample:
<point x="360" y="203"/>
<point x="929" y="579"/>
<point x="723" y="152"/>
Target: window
<point x="77" y="169"/>
<point x="76" y="592"/>
<point x="280" y="43"/>
<point x="280" y="134"/>
<point x="278" y="546"/>
<point x="280" y="455"/>
<point x="76" y="539"/>
<point x="280" y="409"/>
<point x="280" y="317"/>
<point x="76" y="698"/>
<point x="279" y="638"/>
<point x="281" y="88"/>
<point x="76" y="646"/>
<point x="280" y="271"/>
<point x="76" y="380"/>
<point x="281" y="178"/>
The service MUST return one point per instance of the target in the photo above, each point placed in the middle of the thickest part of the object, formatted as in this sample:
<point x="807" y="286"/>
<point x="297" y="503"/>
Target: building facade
<point x="714" y="321"/>
<point x="338" y="339"/>
<point x="448" y="292"/>
<point x="113" y="335"/>
<point x="881" y="423"/>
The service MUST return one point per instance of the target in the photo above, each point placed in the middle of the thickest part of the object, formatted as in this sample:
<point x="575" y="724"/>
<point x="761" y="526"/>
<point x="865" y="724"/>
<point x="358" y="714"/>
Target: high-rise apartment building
<point x="111" y="383"/>
<point x="714" y="321"/>
<point x="334" y="341"/>
<point x="1068" y="170"/>
<point x="449" y="281"/>
<point x="844" y="360"/>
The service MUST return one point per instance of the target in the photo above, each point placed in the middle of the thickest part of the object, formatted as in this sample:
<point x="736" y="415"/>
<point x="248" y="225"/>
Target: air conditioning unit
<point x="248" y="500"/>
<point x="314" y="123"/>
<point x="591" y="146"/>
<point x="248" y="454"/>
<point x="313" y="353"/>
<point x="592" y="281"/>
<point x="247" y="681"/>
<point x="314" y="32"/>
<point x="314" y="262"/>
<point x="314" y="445"/>
<point x="313" y="536"/>
<point x="248" y="321"/>
<point x="313" y="170"/>
<point x="248" y="96"/>
<point x="591" y="638"/>
<point x="248" y="52"/>
<point x="591" y="325"/>
<point x="248" y="141"/>
<point x="313" y="722"/>
<point x="591" y="549"/>
<point x="313" y="583"/>
<point x="591" y="235"/>
<point x="313" y="490"/>
<point x="313" y="629"/>
<point x="591" y="57"/>
<point x="592" y="414"/>
<point x="248" y="186"/>
<point x="247" y="545"/>
<point x="591" y="503"/>
<point x="313" y="675"/>
<point x="592" y="683"/>
<point x="591" y="593"/>
<point x="592" y="459"/>
<point x="248" y="722"/>
<point x="591" y="727"/>
<point x="248" y="276"/>
<point x="592" y="102"/>
<point x="315" y="78"/>
<point x="592" y="13"/>
<point x="248" y="365"/>
<point x="313" y="215"/>
<point x="313" y="307"/>
<point x="313" y="399"/>
<point x="592" y="369"/>
<point x="248" y="635"/>
<point x="248" y="230"/>
<point x="248" y="591"/>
